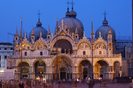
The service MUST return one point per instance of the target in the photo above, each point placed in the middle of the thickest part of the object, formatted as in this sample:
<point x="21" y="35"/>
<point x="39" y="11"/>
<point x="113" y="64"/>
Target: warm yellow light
<point x="2" y="70"/>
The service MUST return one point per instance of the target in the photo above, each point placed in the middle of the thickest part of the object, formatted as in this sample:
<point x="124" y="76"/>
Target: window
<point x="100" y="52"/>
<point x="84" y="53"/>
<point x="5" y="48"/>
<point x="25" y="53"/>
<point x="41" y="53"/>
<point x="5" y="57"/>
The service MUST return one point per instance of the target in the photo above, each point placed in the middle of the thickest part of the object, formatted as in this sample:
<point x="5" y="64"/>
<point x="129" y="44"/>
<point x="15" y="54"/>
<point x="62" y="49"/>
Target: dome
<point x="104" y="29"/>
<point x="71" y="23"/>
<point x="39" y="29"/>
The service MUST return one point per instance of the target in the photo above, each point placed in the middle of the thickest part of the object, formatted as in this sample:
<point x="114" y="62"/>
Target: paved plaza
<point x="40" y="84"/>
<point x="84" y="85"/>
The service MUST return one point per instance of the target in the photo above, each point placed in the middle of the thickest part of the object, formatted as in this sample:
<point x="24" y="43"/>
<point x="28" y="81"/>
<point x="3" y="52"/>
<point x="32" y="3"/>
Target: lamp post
<point x="20" y="47"/>
<point x="92" y="44"/>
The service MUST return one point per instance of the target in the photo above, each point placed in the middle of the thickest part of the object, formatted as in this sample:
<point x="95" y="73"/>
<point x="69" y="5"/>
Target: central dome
<point x="71" y="23"/>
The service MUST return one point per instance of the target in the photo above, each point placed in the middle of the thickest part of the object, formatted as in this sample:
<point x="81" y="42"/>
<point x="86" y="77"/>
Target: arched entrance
<point x="85" y="69"/>
<point x="117" y="69"/>
<point x="64" y="45"/>
<point x="40" y="69"/>
<point x="24" y="70"/>
<point x="101" y="69"/>
<point x="62" y="69"/>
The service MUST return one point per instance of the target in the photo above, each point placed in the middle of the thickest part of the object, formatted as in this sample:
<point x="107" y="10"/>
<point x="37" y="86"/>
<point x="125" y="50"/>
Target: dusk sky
<point x="118" y="15"/>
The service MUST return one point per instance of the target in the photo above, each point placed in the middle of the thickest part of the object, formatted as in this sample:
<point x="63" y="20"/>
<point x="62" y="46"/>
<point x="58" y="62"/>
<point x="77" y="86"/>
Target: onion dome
<point x="71" y="23"/>
<point x="104" y="30"/>
<point x="39" y="29"/>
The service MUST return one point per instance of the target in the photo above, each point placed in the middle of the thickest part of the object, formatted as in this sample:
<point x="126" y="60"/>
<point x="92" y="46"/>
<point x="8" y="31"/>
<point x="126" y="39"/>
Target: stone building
<point x="68" y="53"/>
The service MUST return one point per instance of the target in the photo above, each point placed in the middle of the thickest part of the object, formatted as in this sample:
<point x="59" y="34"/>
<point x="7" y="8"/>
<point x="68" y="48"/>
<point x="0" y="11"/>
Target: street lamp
<point x="92" y="44"/>
<point x="20" y="47"/>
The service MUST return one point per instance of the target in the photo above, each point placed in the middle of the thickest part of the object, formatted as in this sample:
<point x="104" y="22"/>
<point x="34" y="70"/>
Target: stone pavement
<point x="84" y="85"/>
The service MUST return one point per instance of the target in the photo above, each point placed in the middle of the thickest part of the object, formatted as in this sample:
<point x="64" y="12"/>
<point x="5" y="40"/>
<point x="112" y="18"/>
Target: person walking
<point x="21" y="84"/>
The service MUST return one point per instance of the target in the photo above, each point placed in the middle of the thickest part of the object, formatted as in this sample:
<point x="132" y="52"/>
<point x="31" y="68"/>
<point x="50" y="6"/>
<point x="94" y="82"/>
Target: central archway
<point x="62" y="68"/>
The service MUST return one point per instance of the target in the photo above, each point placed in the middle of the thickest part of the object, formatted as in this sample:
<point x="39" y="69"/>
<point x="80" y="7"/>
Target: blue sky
<point x="118" y="15"/>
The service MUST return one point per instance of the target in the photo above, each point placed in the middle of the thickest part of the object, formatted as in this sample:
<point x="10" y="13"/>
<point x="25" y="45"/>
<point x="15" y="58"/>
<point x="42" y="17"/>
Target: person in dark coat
<point x="21" y="85"/>
<point x="1" y="84"/>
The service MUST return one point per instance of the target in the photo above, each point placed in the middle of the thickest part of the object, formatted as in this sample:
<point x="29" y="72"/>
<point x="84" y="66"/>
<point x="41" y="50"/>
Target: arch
<point x="117" y="69"/>
<point x="85" y="69"/>
<point x="23" y="68"/>
<point x="101" y="69"/>
<point x="64" y="45"/>
<point x="84" y="43"/>
<point x="39" y="69"/>
<point x="100" y="43"/>
<point x="40" y="44"/>
<point x="62" y="68"/>
<point x="55" y="39"/>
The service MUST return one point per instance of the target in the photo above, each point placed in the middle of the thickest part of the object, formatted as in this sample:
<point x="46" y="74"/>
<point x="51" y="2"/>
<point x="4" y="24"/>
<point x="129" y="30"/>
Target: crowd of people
<point x="24" y="84"/>
<point x="38" y="83"/>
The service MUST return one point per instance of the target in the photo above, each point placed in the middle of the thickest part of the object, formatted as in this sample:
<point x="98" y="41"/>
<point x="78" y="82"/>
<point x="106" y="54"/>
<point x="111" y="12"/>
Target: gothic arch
<point x="40" y="44"/>
<point x="85" y="69"/>
<point x="62" y="67"/>
<point x="39" y="69"/>
<point x="101" y="68"/>
<point x="85" y="43"/>
<point x="101" y="43"/>
<point x="117" y="69"/>
<point x="23" y="68"/>
<point x="60" y="38"/>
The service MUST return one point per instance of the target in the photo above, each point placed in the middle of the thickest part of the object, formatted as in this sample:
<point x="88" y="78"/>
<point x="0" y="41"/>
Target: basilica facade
<point x="67" y="54"/>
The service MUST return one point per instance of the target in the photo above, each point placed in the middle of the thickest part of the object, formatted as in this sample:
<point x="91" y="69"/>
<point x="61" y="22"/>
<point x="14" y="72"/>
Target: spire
<point x="62" y="24"/>
<point x="16" y="31"/>
<point x="67" y="13"/>
<point x="40" y="34"/>
<point x="72" y="4"/>
<point x="72" y="12"/>
<point x="20" y="29"/>
<point x="84" y="36"/>
<point x="39" y="21"/>
<point x="100" y="35"/>
<point x="92" y="30"/>
<point x="33" y="31"/>
<point x="105" y="21"/>
<point x="49" y="32"/>
<point x="25" y="35"/>
<point x="57" y="26"/>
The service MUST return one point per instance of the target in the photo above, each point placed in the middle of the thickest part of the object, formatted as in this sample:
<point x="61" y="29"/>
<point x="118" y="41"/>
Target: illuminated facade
<point x="68" y="53"/>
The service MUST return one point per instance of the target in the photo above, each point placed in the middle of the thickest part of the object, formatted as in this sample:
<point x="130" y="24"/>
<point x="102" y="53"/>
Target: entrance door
<point x="63" y="73"/>
<point x="85" y="73"/>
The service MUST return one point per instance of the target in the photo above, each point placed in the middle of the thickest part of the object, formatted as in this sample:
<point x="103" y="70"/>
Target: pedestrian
<point x="21" y="84"/>
<point x="91" y="84"/>
<point x="0" y="83"/>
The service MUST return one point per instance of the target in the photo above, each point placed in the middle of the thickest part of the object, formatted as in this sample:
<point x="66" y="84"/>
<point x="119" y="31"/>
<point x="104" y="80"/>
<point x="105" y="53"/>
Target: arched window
<point x="25" y="53"/>
<point x="41" y="53"/>
<point x="100" y="52"/>
<point x="84" y="53"/>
